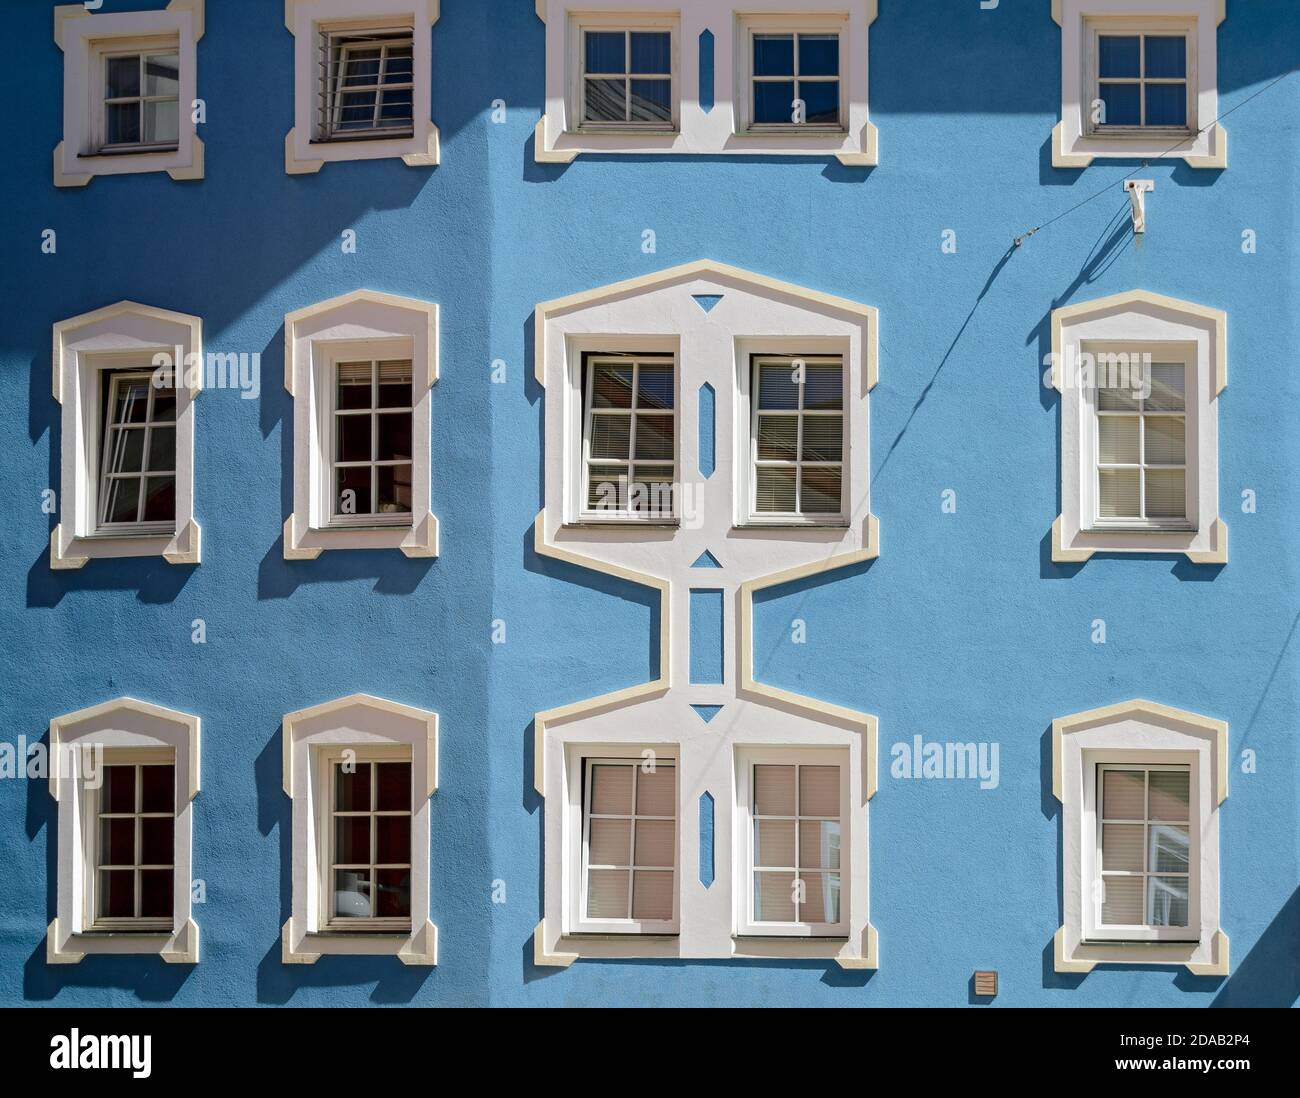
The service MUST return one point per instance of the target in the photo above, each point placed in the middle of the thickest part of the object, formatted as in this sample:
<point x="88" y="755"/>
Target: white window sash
<point x="103" y="474"/>
<point x="759" y="25"/>
<point x="331" y="89"/>
<point x="99" y="99"/>
<point x="1098" y="28"/>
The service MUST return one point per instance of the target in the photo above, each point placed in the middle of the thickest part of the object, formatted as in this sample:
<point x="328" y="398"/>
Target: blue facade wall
<point x="963" y="629"/>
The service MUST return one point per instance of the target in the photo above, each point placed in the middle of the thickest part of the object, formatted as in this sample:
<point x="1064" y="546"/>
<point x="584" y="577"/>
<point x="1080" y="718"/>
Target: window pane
<point x="393" y="893"/>
<point x="394" y="489"/>
<point x="819" y="844"/>
<point x="775" y="490"/>
<point x="819" y="55"/>
<point x="610" y="436"/>
<point x="361" y="66"/>
<point x="397" y="69"/>
<point x="161" y="122"/>
<point x="1123" y="847"/>
<point x="607" y="894"/>
<point x="122" y="76"/>
<point x="1167" y="901"/>
<point x="612" y="387"/>
<point x="1118" y="55"/>
<point x="654" y="387"/>
<point x="395" y="107"/>
<point x="821" y="903"/>
<point x="774" y="843"/>
<point x="122" y="123"/>
<point x="164" y="406"/>
<point x="1164" y="440"/>
<point x="656" y="793"/>
<point x="652" y="895"/>
<point x="821" y="101"/>
<point x="819" y="791"/>
<point x="1119" y="493"/>
<point x="654" y="437"/>
<point x="777" y="388"/>
<point x="126" y="450"/>
<point x="352" y="840"/>
<point x="820" y="491"/>
<point x="1122" y="905"/>
<point x="116" y="894"/>
<point x="1122" y="103"/>
<point x="1123" y="795"/>
<point x="117" y="841"/>
<point x="773" y="790"/>
<point x="1119" y="398"/>
<point x="156" y="894"/>
<point x="156" y="840"/>
<point x="352" y="893"/>
<point x="823" y="388"/>
<point x="1117" y="440"/>
<point x="354" y="385"/>
<point x="119" y="789"/>
<point x="651" y="52"/>
<point x="652" y="101"/>
<point x="774" y="897"/>
<point x="606" y="101"/>
<point x="823" y="438"/>
<point x="394" y="787"/>
<point x="357" y="111"/>
<point x="611" y="790"/>
<point x="606" y="490"/>
<point x="652" y="489"/>
<point x="162" y="449"/>
<point x="773" y="55"/>
<point x="123" y="503"/>
<point x="393" y="840"/>
<point x="606" y="51"/>
<point x="353" y="492"/>
<point x="353" y="438"/>
<point x="394" y="385"/>
<point x="774" y="102"/>
<point x="394" y="436"/>
<point x="1168" y="383"/>
<point x="609" y="842"/>
<point x="1170" y="847"/>
<point x="1170" y="794"/>
<point x="1166" y="104"/>
<point x="352" y="790"/>
<point x="1166" y="55"/>
<point x="654" y="843"/>
<point x="777" y="438"/>
<point x="159" y="788"/>
<point x="1166" y="493"/>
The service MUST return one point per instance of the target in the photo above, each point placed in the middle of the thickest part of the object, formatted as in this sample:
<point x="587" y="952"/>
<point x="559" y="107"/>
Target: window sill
<point x="117" y="154"/>
<point x="68" y="551"/>
<point x="762" y="524"/>
<point x="416" y="947"/>
<point x="179" y="947"/>
<point x="623" y="523"/>
<point x="624" y="131"/>
<point x="1206" y="957"/>
<point x="400" y="135"/>
<point x="415" y="541"/>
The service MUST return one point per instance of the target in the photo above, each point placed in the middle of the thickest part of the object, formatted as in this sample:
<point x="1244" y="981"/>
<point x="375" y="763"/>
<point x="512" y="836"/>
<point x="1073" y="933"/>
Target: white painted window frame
<point x="139" y="48"/>
<point x="1139" y="734"/>
<point x="120" y="731"/>
<point x="1076" y="142"/>
<point x="1168" y="328"/>
<point x="578" y="822"/>
<point x="360" y="324"/>
<point x="746" y="759"/>
<point x="85" y="37"/>
<point x="812" y="23"/>
<point x="123" y="335"/>
<point x="304" y="154"/>
<point x="631" y="22"/>
<point x="560" y="139"/>
<point x="1142" y="28"/>
<point x="113" y="378"/>
<point x="371" y="727"/>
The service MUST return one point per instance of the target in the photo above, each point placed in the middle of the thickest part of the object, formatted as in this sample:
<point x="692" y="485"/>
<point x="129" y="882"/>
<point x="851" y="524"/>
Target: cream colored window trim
<point x="83" y="36"/>
<point x="372" y="728"/>
<point x="1138" y="733"/>
<point x="124" y="730"/>
<point x="722" y="130"/>
<point x="380" y="325"/>
<point x="125" y="334"/>
<point x="305" y="20"/>
<point x="1170" y="330"/>
<point x="1074" y="145"/>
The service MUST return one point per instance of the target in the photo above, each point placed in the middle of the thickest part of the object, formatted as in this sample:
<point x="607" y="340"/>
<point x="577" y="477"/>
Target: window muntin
<point x="372" y="453"/>
<point x="368" y="836"/>
<point x="1142" y="81"/>
<point x="794" y="865"/>
<point x="141" y="100"/>
<point x="1141" y="441"/>
<point x="366" y="84"/>
<point x="134" y="821"/>
<point x="795" y="80"/>
<point x="629" y="438"/>
<point x="137" y="469"/>
<point x="629" y="844"/>
<point x="626" y="78"/>
<point x="797" y="441"/>
<point x="1145" y="847"/>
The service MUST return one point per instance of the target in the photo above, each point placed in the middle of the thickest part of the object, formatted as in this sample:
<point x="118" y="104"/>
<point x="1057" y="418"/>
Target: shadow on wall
<point x="1269" y="975"/>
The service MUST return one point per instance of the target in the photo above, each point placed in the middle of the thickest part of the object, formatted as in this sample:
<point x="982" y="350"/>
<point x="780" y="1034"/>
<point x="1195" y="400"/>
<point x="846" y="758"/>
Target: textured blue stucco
<point x="708" y="651"/>
<point x="963" y="629"/>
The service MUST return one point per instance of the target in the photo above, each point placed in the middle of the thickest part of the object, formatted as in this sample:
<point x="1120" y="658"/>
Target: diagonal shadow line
<point x="988" y="283"/>
<point x="1268" y="684"/>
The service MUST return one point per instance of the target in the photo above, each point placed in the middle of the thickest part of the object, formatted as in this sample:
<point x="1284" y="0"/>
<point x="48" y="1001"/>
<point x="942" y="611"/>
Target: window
<point x="627" y="78"/>
<point x="128" y="435"/>
<point x="137" y="481"/>
<point x="629" y="844"/>
<point x="629" y="436"/>
<point x="1144" y="851"/>
<point x="371" y="466"/>
<point x="125" y="775"/>
<point x="368" y="82"/>
<point x="794" y="836"/>
<point x="798" y="437"/>
<point x="1139" y="377"/>
<point x="135" y="819"/>
<point x="363" y="83"/>
<point x="1142" y="82"/>
<point x="795" y="79"/>
<point x="129" y="88"/>
<point x="369" y="831"/>
<point x="362" y="425"/>
<point x="360" y="772"/>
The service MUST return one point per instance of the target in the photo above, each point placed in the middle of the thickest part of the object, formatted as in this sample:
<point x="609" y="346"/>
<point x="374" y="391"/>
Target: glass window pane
<point x="774" y="897"/>
<point x="656" y="792"/>
<point x="395" y="107"/>
<point x="156" y="840"/>
<point x="353" y="438"/>
<point x="1170" y="794"/>
<point x="1166" y="55"/>
<point x="652" y="489"/>
<point x="123" y="503"/>
<point x="777" y="388"/>
<point x="132" y="401"/>
<point x="821" y="900"/>
<point x="1121" y="104"/>
<point x="393" y="893"/>
<point x="164" y="406"/>
<point x="393" y="840"/>
<point x="1170" y="848"/>
<point x="353" y="385"/>
<point x="352" y="893"/>
<point x="821" y="101"/>
<point x="1168" y="385"/>
<point x="611" y="790"/>
<point x="119" y="789"/>
<point x="774" y="55"/>
<point x="819" y="791"/>
<point x="1166" y="104"/>
<point x="774" y="843"/>
<point x="1118" y="55"/>
<point x="654" y="387"/>
<point x="654" y="843"/>
<point x="397" y="68"/>
<point x="122" y="76"/>
<point x="778" y="438"/>
<point x="394" y="441"/>
<point x="353" y="492"/>
<point x="352" y="788"/>
<point x="1167" y="901"/>
<point x="820" y="491"/>
<point x="774" y="102"/>
<point x="162" y="449"/>
<point x="122" y="124"/>
<point x="117" y="841"/>
<point x="1122" y="902"/>
<point x="394" y="489"/>
<point x="1123" y="795"/>
<point x="652" y="52"/>
<point x="609" y="842"/>
<point x="116" y="894"/>
<point x="823" y="438"/>
<point x="819" y="844"/>
<point x="606" y="101"/>
<point x="823" y="388"/>
<point x="1123" y="847"/>
<point x="156" y="901"/>
<point x="1119" y="398"/>
<point x="352" y="840"/>
<point x="611" y="387"/>
<point x="652" y="895"/>
<point x="1117" y="440"/>
<point x="610" y="437"/>
<point x="125" y="450"/>
<point x="607" y="894"/>
<point x="361" y="66"/>
<point x="1119" y="493"/>
<point x="607" y="488"/>
<point x="394" y="787"/>
<point x="652" y="101"/>
<point x="1165" y="443"/>
<point x="776" y="487"/>
<point x="773" y="790"/>
<point x="160" y="499"/>
<point x="394" y="385"/>
<point x="159" y="789"/>
<point x="819" y="55"/>
<point x="1166" y="493"/>
<point x="162" y="122"/>
<point x="606" y="52"/>
<point x="654" y="438"/>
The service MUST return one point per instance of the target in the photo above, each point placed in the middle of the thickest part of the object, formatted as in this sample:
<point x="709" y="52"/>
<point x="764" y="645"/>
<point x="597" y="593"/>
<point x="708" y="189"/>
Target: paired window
<point x="1145" y="851"/>
<point x="626" y="78"/>
<point x="795" y="79"/>
<point x="1141" y="81"/>
<point x="629" y="436"/>
<point x="141" y="99"/>
<point x="133" y="815"/>
<point x="368" y="830"/>
<point x="367" y="84"/>
<point x="798" y="437"/>
<point x="371" y="462"/>
<point x="629" y="844"/>
<point x="137" y="467"/>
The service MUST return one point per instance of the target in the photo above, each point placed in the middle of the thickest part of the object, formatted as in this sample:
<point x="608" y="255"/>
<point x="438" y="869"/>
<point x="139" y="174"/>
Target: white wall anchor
<point x="1137" y="191"/>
